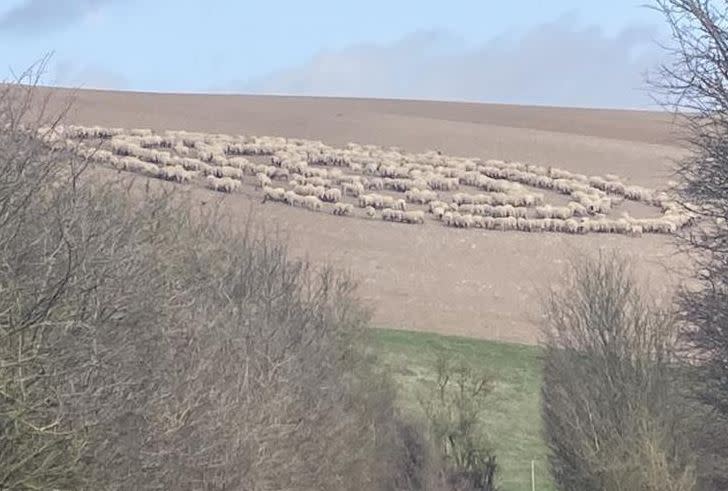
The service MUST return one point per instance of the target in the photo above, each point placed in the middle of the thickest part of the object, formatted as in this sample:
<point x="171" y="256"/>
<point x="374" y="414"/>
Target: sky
<point x="591" y="53"/>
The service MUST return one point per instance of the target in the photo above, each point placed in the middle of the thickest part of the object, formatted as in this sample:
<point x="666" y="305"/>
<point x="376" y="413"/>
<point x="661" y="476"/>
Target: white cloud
<point x="32" y="16"/>
<point x="557" y="63"/>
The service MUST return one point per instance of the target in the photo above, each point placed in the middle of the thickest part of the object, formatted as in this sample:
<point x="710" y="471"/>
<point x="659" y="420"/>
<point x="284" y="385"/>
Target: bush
<point x="453" y="408"/>
<point x="612" y="416"/>
<point x="149" y="344"/>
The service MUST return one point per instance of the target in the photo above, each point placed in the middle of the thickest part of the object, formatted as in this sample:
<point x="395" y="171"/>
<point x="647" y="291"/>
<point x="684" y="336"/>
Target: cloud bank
<point x="34" y="16"/>
<point x="556" y="63"/>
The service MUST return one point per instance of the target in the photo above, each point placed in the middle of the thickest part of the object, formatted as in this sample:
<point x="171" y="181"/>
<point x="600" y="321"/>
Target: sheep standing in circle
<point x="425" y="180"/>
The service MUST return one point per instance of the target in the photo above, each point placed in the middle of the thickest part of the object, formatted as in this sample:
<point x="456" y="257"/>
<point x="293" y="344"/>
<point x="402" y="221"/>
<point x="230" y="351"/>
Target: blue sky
<point x="561" y="52"/>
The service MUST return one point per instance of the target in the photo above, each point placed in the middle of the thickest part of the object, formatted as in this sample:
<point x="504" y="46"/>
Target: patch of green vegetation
<point x="511" y="413"/>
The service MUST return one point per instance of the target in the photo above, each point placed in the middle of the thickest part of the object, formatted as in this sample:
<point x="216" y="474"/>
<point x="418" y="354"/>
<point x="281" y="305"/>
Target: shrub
<point x="453" y="409"/>
<point x="150" y="344"/>
<point x="612" y="416"/>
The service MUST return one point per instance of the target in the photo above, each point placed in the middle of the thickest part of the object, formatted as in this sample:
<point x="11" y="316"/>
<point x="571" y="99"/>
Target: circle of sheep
<point x="381" y="182"/>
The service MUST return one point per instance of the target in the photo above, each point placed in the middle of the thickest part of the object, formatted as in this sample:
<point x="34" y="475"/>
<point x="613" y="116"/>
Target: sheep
<point x="343" y="209"/>
<point x="374" y="183"/>
<point x="263" y="180"/>
<point x="124" y="148"/>
<point x="224" y="171"/>
<point x="140" y="132"/>
<point x="293" y="199"/>
<point x="150" y="141"/>
<point x="505" y="223"/>
<point x="457" y="220"/>
<point x="437" y="204"/>
<point x="415" y="217"/>
<point x="315" y="181"/>
<point x="418" y="176"/>
<point x="423" y="197"/>
<point x="609" y="185"/>
<point x="529" y="225"/>
<point x="188" y="163"/>
<point x="175" y="173"/>
<point x="577" y="209"/>
<point x="312" y="203"/>
<point x="478" y="221"/>
<point x="133" y="164"/>
<point x="443" y="183"/>
<point x="353" y="188"/>
<point x="635" y="230"/>
<point x="81" y="132"/>
<point x="309" y="190"/>
<point x="274" y="194"/>
<point x="313" y="172"/>
<point x="592" y="202"/>
<point x="398" y="184"/>
<point x="392" y="215"/>
<point x="638" y="193"/>
<point x="391" y="171"/>
<point x="332" y="195"/>
<point x="560" y="212"/>
<point x="557" y="225"/>
<point x="656" y="225"/>
<point x="370" y="212"/>
<point x="376" y="201"/>
<point x="438" y="212"/>
<point x="294" y="165"/>
<point x="224" y="184"/>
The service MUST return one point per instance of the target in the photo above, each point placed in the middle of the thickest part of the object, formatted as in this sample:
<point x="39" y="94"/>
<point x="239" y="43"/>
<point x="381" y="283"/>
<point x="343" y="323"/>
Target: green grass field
<point x="510" y="412"/>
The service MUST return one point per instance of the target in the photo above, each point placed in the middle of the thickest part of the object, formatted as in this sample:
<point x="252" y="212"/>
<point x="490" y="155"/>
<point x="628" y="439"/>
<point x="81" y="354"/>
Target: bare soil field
<point x="476" y="283"/>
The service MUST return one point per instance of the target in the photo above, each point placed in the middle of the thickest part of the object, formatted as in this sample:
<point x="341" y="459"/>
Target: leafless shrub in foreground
<point x="145" y="344"/>
<point x="454" y="411"/>
<point x="612" y="417"/>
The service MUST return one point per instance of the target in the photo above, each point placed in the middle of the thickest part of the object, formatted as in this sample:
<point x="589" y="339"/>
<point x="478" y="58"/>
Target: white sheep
<point x="560" y="212"/>
<point x="175" y="173"/>
<point x="443" y="183"/>
<point x="274" y="194"/>
<point x="332" y="195"/>
<point x="423" y="196"/>
<point x="140" y="132"/>
<point x="343" y="209"/>
<point x="312" y="203"/>
<point x="353" y="188"/>
<point x="309" y="190"/>
<point x="415" y="216"/>
<point x="374" y="183"/>
<point x="264" y="181"/>
<point x="225" y="171"/>
<point x="392" y="215"/>
<point x="224" y="184"/>
<point x="133" y="164"/>
<point x="454" y="219"/>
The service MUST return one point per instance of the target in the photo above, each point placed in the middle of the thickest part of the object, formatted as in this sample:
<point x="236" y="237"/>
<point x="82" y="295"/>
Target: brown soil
<point x="477" y="283"/>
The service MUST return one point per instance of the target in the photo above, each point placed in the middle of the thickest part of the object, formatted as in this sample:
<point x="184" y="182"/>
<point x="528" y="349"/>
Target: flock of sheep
<point x="387" y="183"/>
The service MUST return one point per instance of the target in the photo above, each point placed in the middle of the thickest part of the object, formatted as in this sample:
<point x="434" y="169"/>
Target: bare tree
<point x="612" y="419"/>
<point x="148" y="344"/>
<point x="695" y="85"/>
